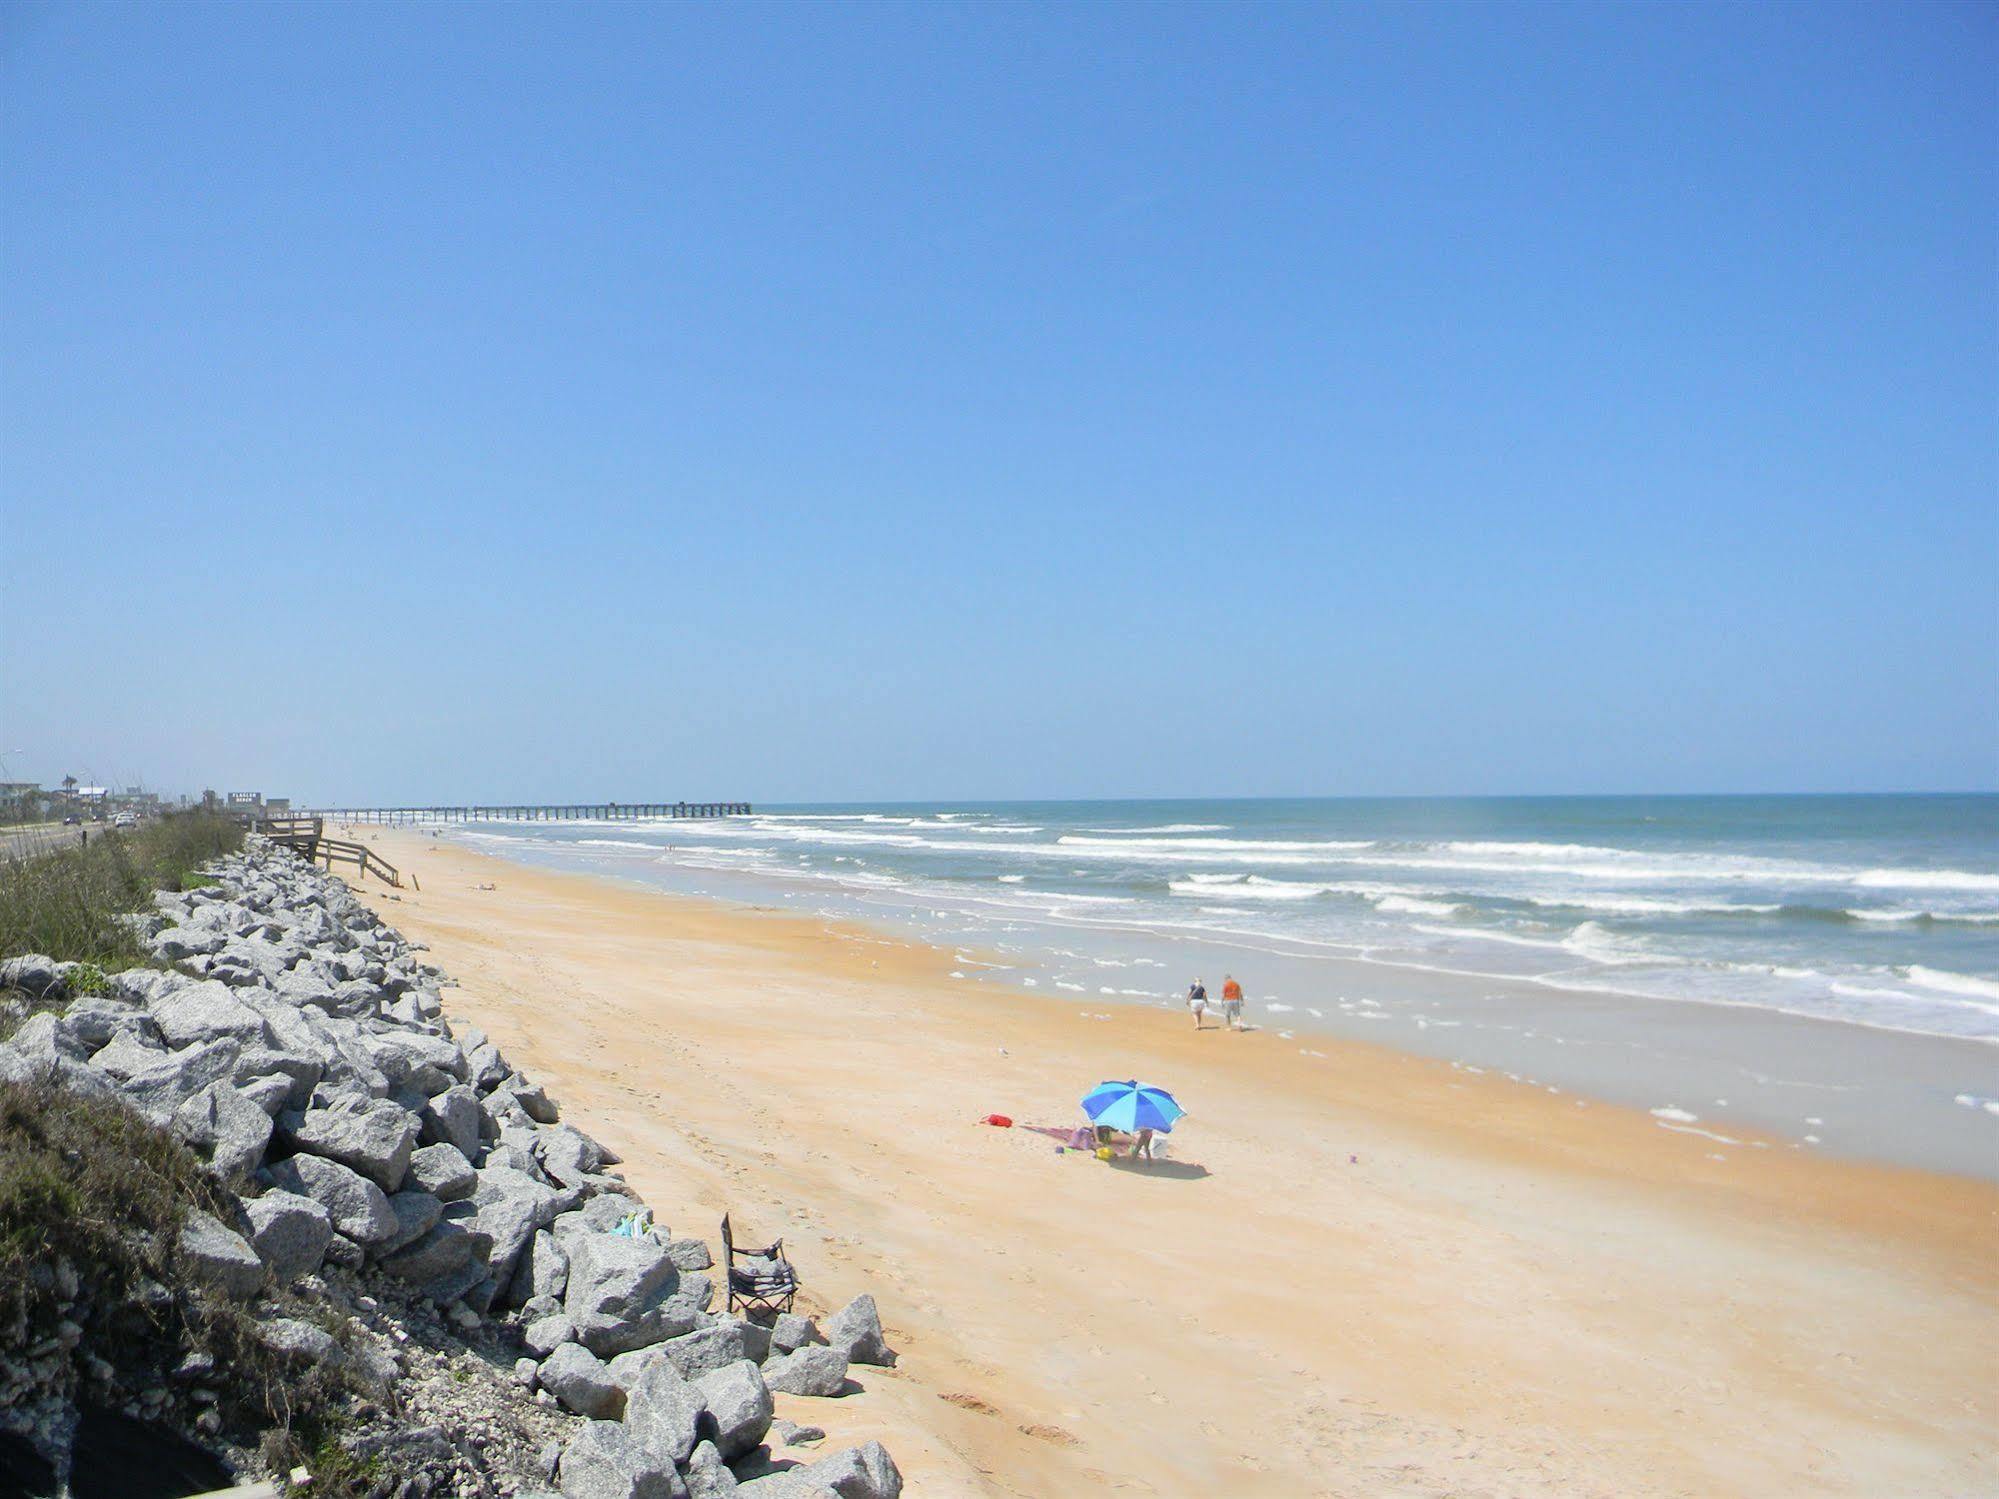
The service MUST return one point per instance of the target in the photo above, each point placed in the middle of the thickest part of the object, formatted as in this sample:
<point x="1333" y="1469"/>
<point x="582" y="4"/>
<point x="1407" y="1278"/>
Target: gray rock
<point x="543" y="1269"/>
<point x="544" y="1335"/>
<point x="416" y="1214"/>
<point x="689" y="1254"/>
<point x="578" y="1378"/>
<point x="511" y="1206"/>
<point x="229" y="1128"/>
<point x="158" y="1089"/>
<point x="442" y="1171"/>
<point x="793" y="1435"/>
<point x="791" y="1331"/>
<point x="858" y="1473"/>
<point x="178" y="942"/>
<point x="126" y="1053"/>
<point x="706" y="1349"/>
<point x="808" y="1371"/>
<point x="358" y="1207"/>
<point x="217" y="1255"/>
<point x="616" y="1287"/>
<point x="290" y="1233"/>
<point x="33" y="974"/>
<point x="96" y="1018"/>
<point x="207" y="1011"/>
<point x="486" y="1068"/>
<point x="568" y="1155"/>
<point x="452" y="1118"/>
<point x="664" y="1412"/>
<point x="739" y="1405"/>
<point x="605" y="1461"/>
<point x="532" y="1099"/>
<point x="856" y="1330"/>
<point x="298" y="1342"/>
<point x="707" y="1476"/>
<point x="269" y="1093"/>
<point x="437" y="1261"/>
<point x="343" y="1251"/>
<point x="372" y="1136"/>
<point x="300" y="1070"/>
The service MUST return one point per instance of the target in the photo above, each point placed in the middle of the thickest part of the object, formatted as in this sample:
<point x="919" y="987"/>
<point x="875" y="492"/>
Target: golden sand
<point x="1360" y="1273"/>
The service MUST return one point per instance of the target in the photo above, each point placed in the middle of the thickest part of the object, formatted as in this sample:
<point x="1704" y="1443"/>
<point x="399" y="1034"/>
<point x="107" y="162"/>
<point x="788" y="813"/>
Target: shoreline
<point x="1488" y="1267"/>
<point x="1837" y="1086"/>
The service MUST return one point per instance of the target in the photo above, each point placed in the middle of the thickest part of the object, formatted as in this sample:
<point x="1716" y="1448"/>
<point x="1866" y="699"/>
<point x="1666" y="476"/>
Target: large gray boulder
<point x="808" y="1371"/>
<point x="858" y="1473"/>
<point x="664" y="1412"/>
<point x="510" y="1207"/>
<point x="226" y="1126"/>
<point x="621" y="1293"/>
<point x="543" y="1269"/>
<point x="290" y="1233"/>
<point x="126" y="1053"/>
<point x="438" y="1259"/>
<point x="207" y="1011"/>
<point x="739" y="1406"/>
<point x="605" y="1461"/>
<point x="160" y="1088"/>
<point x="372" y="1136"/>
<point x="452" y="1118"/>
<point x="544" y="1335"/>
<point x="217" y="1255"/>
<point x="416" y="1214"/>
<point x="568" y="1155"/>
<point x="96" y="1018"/>
<point x="707" y="1475"/>
<point x="707" y="1348"/>
<point x="791" y="1331"/>
<point x="856" y="1330"/>
<point x="358" y="1207"/>
<point x="442" y="1171"/>
<point x="577" y="1377"/>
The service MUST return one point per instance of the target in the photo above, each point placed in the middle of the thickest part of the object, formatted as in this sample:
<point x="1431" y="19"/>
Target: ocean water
<point x="1880" y="910"/>
<point x="1651" y="950"/>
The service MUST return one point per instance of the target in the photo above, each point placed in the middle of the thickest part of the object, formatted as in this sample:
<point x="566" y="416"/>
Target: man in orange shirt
<point x="1232" y="1001"/>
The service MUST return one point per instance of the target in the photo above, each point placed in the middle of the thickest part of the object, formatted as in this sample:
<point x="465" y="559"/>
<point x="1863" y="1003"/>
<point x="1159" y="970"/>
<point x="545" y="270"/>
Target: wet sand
<point x="1359" y="1272"/>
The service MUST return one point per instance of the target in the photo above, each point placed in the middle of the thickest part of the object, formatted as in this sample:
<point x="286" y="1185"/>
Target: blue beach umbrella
<point x="1129" y="1107"/>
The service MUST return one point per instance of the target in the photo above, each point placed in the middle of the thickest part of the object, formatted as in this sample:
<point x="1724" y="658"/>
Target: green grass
<point x="66" y="904"/>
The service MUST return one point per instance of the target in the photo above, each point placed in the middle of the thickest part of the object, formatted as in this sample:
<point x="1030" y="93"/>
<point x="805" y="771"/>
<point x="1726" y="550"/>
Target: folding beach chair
<point x="767" y="1283"/>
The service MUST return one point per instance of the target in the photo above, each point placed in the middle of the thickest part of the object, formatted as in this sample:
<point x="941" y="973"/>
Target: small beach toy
<point x="1104" y="1152"/>
<point x="1127" y="1106"/>
<point x="999" y="1121"/>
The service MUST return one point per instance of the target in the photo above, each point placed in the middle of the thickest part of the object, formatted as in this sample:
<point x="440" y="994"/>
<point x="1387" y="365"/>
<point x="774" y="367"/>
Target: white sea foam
<point x="1168" y="827"/>
<point x="1953" y="983"/>
<point x="1277" y="1009"/>
<point x="1217" y="845"/>
<point x="1010" y="879"/>
<point x="1416" y="906"/>
<point x="1245" y="887"/>
<point x="650" y="848"/>
<point x="1643" y="905"/>
<point x="1671" y="1112"/>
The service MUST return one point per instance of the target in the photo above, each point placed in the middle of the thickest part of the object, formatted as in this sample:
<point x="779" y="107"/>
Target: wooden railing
<point x="307" y="837"/>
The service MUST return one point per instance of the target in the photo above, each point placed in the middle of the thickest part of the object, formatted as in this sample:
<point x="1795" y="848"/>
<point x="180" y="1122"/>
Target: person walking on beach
<point x="1197" y="1001"/>
<point x="1232" y="1001"/>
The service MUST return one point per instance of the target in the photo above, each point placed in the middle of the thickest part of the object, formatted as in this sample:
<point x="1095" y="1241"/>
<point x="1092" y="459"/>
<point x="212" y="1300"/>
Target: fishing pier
<point x="569" y="812"/>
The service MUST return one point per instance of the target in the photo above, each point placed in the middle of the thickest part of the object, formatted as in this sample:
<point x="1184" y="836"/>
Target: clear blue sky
<point x="454" y="402"/>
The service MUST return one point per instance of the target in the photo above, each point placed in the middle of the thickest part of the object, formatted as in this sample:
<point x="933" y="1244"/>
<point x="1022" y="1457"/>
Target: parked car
<point x="75" y="819"/>
<point x="125" y="820"/>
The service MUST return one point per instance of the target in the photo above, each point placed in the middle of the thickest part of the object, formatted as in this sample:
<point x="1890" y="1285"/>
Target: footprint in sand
<point x="970" y="1403"/>
<point x="1052" y="1434"/>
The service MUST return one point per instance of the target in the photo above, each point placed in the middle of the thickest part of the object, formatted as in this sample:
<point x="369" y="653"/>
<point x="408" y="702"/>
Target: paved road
<point x="41" y="837"/>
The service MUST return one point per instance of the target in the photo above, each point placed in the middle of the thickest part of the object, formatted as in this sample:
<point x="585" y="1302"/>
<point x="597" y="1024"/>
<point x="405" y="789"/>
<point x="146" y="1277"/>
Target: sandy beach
<point x="1357" y="1273"/>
